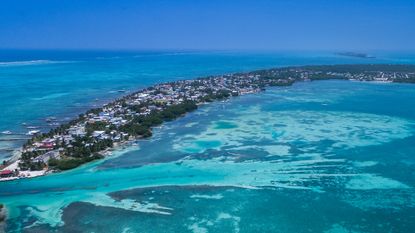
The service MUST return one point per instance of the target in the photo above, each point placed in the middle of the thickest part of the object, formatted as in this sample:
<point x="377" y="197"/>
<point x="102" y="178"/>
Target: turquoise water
<point x="328" y="156"/>
<point x="40" y="84"/>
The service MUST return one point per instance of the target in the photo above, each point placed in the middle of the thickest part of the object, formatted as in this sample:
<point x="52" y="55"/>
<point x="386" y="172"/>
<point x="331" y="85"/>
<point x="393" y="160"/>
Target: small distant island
<point x="95" y="132"/>
<point x="354" y="54"/>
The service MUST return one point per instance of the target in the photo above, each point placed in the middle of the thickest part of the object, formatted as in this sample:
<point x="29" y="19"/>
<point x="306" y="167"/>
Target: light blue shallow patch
<point x="345" y="129"/>
<point x="225" y="125"/>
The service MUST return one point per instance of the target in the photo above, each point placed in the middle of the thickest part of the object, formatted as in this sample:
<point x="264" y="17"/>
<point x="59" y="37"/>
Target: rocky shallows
<point x="92" y="134"/>
<point x="2" y="216"/>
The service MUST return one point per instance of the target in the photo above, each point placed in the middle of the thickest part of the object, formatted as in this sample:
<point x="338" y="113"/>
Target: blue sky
<point x="210" y="24"/>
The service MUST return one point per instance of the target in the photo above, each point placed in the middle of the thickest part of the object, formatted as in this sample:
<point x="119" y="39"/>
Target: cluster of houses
<point x="120" y="112"/>
<point x="375" y="76"/>
<point x="156" y="98"/>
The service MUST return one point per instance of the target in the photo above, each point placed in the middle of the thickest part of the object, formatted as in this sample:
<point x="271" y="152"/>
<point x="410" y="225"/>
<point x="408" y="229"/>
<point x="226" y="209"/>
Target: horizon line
<point x="206" y="50"/>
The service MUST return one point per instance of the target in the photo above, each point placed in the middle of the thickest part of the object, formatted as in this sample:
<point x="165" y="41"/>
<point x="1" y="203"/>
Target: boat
<point x="50" y="119"/>
<point x="33" y="132"/>
<point x="8" y="132"/>
<point x="32" y="127"/>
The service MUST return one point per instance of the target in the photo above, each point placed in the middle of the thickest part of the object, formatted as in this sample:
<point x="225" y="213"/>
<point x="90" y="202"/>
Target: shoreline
<point x="105" y="154"/>
<point x="178" y="104"/>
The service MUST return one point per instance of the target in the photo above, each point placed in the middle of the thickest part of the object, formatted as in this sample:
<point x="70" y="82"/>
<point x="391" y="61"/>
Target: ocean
<point x="324" y="156"/>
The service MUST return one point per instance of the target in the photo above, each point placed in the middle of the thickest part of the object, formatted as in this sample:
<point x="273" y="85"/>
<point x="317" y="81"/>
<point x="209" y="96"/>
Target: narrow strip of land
<point x="131" y="117"/>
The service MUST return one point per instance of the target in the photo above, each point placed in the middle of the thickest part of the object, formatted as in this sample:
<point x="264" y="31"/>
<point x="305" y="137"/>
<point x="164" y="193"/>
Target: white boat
<point x="7" y="132"/>
<point x="33" y="132"/>
<point x="50" y="119"/>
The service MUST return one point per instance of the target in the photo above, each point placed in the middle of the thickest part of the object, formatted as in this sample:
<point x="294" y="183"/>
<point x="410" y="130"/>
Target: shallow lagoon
<point x="329" y="156"/>
<point x="35" y="85"/>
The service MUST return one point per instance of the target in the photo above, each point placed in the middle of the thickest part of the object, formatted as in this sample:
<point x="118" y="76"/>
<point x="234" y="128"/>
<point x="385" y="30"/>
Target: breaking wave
<point x="32" y="62"/>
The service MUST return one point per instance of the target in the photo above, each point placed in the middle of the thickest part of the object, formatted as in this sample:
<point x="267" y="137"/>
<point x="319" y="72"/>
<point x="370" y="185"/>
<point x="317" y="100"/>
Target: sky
<point x="352" y="25"/>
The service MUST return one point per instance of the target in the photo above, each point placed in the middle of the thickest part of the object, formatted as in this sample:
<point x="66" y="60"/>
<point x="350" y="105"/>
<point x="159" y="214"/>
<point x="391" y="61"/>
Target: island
<point x="91" y="135"/>
<point x="354" y="54"/>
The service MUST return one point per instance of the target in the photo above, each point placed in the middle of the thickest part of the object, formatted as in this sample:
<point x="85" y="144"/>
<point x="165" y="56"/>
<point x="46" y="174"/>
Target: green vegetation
<point x="324" y="76"/>
<point x="80" y="149"/>
<point x="141" y="125"/>
<point x="84" y="149"/>
<point x="134" y="128"/>
<point x="32" y="166"/>
<point x="70" y="163"/>
<point x="174" y="111"/>
<point x="221" y="94"/>
<point x="96" y="126"/>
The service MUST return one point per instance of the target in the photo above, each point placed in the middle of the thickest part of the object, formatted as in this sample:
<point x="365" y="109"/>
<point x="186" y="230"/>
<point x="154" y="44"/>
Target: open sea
<point x="324" y="156"/>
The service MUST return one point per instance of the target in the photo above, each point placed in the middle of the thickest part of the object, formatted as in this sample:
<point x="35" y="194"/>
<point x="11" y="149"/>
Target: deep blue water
<point x="327" y="156"/>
